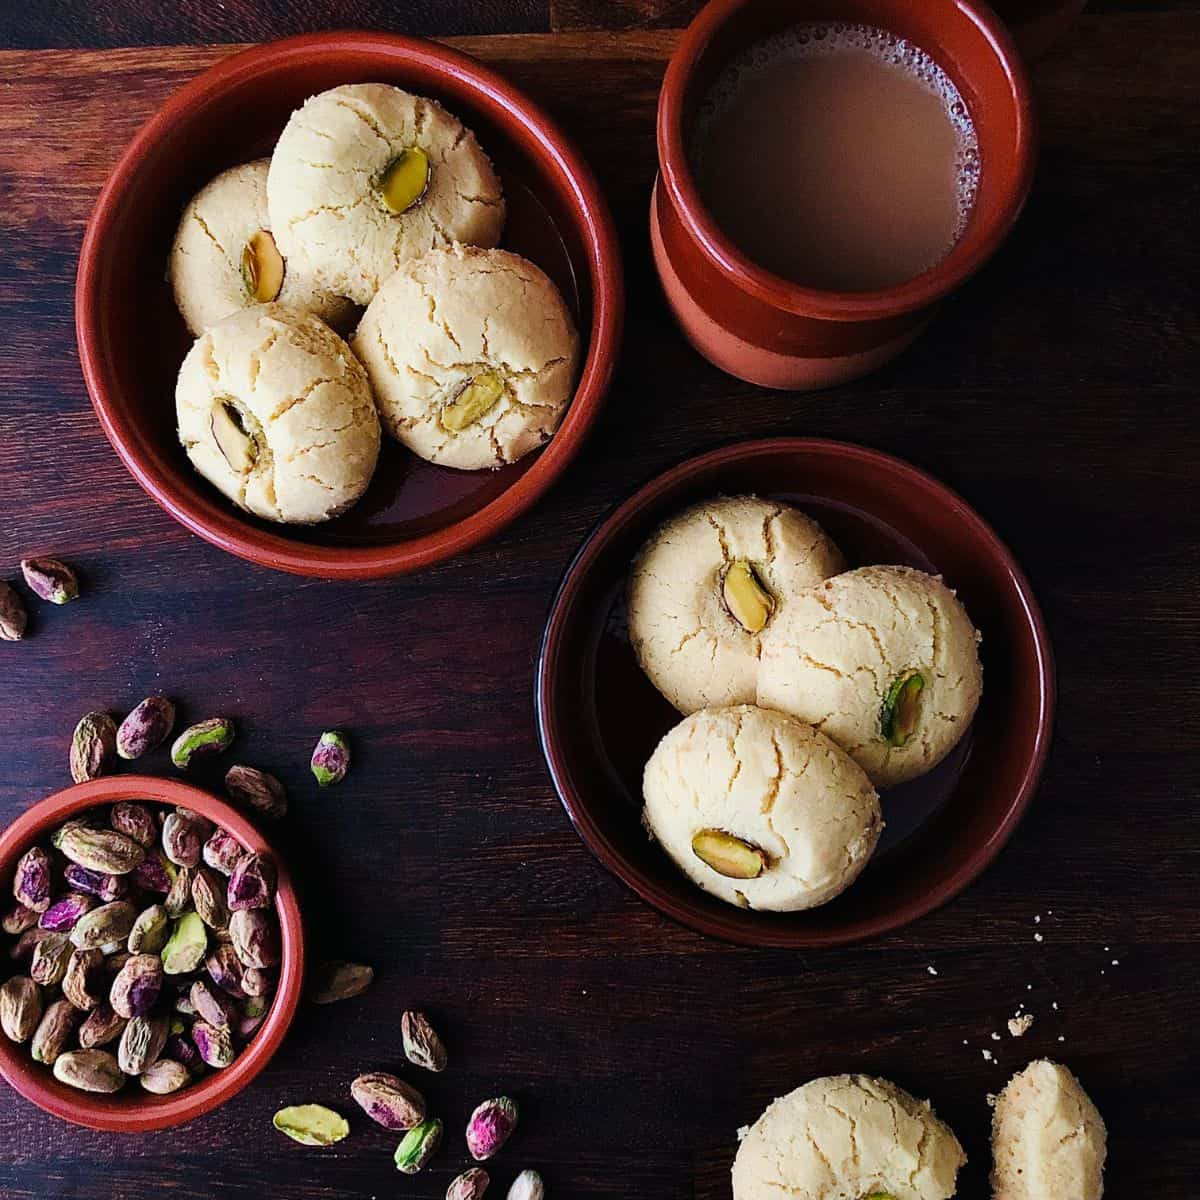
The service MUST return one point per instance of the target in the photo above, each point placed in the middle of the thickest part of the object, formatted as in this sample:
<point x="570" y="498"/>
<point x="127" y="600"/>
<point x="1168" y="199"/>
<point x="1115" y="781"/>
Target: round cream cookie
<point x="683" y="631"/>
<point x="882" y="659"/>
<point x="760" y="809"/>
<point x="472" y="354"/>
<point x="327" y="188"/>
<point x="847" y="1137"/>
<point x="276" y="412"/>
<point x="1048" y="1140"/>
<point x="209" y="270"/>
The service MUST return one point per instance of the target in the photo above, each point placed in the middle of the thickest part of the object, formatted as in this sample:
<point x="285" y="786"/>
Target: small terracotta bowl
<point x="133" y="1110"/>
<point x="770" y="330"/>
<point x="132" y="340"/>
<point x="600" y="718"/>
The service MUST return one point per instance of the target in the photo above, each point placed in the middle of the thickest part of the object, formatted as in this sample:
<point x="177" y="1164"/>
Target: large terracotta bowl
<point x="600" y="718"/>
<point x="132" y="340"/>
<point x="133" y="1110"/>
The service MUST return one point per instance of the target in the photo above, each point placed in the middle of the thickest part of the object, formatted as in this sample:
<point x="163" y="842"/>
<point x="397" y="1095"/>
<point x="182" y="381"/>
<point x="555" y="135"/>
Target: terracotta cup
<point x="767" y="329"/>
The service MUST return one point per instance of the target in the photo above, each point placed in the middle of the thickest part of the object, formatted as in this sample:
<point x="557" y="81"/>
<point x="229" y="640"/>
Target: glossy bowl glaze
<point x="600" y="718"/>
<point x="133" y="1110"/>
<point x="132" y="340"/>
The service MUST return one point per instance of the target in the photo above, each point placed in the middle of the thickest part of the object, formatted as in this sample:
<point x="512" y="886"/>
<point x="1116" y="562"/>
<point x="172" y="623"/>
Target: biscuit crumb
<point x="932" y="970"/>
<point x="1037" y="937"/>
<point x="1018" y="1026"/>
<point x="988" y="1056"/>
<point x="991" y="1099"/>
<point x="995" y="1037"/>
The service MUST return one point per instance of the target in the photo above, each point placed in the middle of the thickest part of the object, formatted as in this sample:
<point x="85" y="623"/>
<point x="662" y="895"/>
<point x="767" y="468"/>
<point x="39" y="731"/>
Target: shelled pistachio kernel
<point x="479" y="395"/>
<point x="405" y="180"/>
<point x="262" y="267"/>
<point x="311" y="1124"/>
<point x="748" y="601"/>
<point x="733" y="857"/>
<point x="901" y="708"/>
<point x="418" y="1146"/>
<point x="237" y="447"/>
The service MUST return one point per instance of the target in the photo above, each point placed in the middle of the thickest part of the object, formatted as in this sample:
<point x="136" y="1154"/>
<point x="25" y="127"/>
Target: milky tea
<point x="838" y="156"/>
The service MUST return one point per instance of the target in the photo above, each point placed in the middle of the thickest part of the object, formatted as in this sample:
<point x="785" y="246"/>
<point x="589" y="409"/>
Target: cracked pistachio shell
<point x="145" y="729"/>
<point x="20" y="1008"/>
<point x="89" y="1071"/>
<point x="252" y="884"/>
<point x="186" y="947"/>
<point x="142" y="1041"/>
<point x="50" y="958"/>
<point x="201" y="740"/>
<point x="311" y="1124"/>
<point x="110" y="923"/>
<point x="418" y="1146"/>
<point x="31" y="879"/>
<point x="135" y="989"/>
<point x="93" y="745"/>
<point x="54" y="1031"/>
<point x="135" y="821"/>
<point x="103" y="850"/>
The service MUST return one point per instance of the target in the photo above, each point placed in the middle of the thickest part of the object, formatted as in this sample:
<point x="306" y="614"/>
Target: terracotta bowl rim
<point x="966" y="257"/>
<point x="35" y="1082"/>
<point x="229" y="529"/>
<point x="686" y="911"/>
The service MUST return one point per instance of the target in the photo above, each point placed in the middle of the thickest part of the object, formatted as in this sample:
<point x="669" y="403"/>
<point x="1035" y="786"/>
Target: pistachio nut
<point x="18" y="919"/>
<point x="252" y="884"/>
<point x="22" y="949"/>
<point x="149" y="932"/>
<point x="164" y="1076"/>
<point x="200" y="740"/>
<point x="63" y="914"/>
<point x="527" y="1186"/>
<point x="89" y="1071"/>
<point x="134" y="820"/>
<point x="212" y="1004"/>
<point x="186" y="946"/>
<point x="901" y="708"/>
<point x="179" y="898"/>
<point x="251" y="1014"/>
<point x="422" y="1045"/>
<point x="93" y="744"/>
<point x="13" y="618"/>
<point x="746" y="597"/>
<point x="258" y="982"/>
<point x="256" y="790"/>
<point x="182" y="1049"/>
<point x="731" y="856"/>
<point x="143" y="730"/>
<point x="262" y="267"/>
<point x="388" y="1100"/>
<point x="331" y="758"/>
<point x="54" y="1031"/>
<point x="156" y="873"/>
<point x="418" y="1146"/>
<point x="339" y="981"/>
<point x="104" y="925"/>
<point x="238" y="446"/>
<point x="470" y="1185"/>
<point x="50" y="579"/>
<point x="50" y="958"/>
<point x="222" y="852"/>
<point x="103" y="850"/>
<point x="225" y="970"/>
<point x="85" y="983"/>
<point x="20" y="1008"/>
<point x="479" y="395"/>
<point x="405" y="180"/>
<point x="96" y="883"/>
<point x="101" y="1026"/>
<point x="136" y="987"/>
<point x="255" y="937"/>
<point x="214" y="1042"/>
<point x="31" y="879"/>
<point x="142" y="1041"/>
<point x="490" y="1126"/>
<point x="208" y="895"/>
<point x="311" y="1124"/>
<point x="182" y="840"/>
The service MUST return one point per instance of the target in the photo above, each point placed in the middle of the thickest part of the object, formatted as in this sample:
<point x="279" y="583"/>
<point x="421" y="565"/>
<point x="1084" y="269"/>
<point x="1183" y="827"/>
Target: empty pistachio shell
<point x="900" y="710"/>
<point x="186" y="946"/>
<point x="418" y="1146"/>
<point x="50" y="579"/>
<point x="405" y="180"/>
<point x="20" y="1008"/>
<point x="106" y="924"/>
<point x="103" y="850"/>
<point x="256" y="790"/>
<point x="54" y="1031"/>
<point x="388" y="1100"/>
<point x="747" y="599"/>
<point x="311" y="1124"/>
<point x="13" y="618"/>
<point x="470" y="1185"/>
<point x="145" y="729"/>
<point x="334" y="981"/>
<point x="202" y="739"/>
<point x="93" y="744"/>
<point x="89" y="1071"/>
<point x="331" y="758"/>
<point x="422" y="1045"/>
<point x="730" y="856"/>
<point x="31" y="880"/>
<point x="479" y="395"/>
<point x="164" y="1076"/>
<point x="262" y="267"/>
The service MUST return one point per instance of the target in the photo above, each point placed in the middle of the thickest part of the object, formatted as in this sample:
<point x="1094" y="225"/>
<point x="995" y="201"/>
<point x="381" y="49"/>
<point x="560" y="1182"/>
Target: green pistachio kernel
<point x="898" y="716"/>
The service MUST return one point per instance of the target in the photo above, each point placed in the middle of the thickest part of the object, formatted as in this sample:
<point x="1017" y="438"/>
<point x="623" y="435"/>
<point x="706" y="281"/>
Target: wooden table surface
<point x="1057" y="392"/>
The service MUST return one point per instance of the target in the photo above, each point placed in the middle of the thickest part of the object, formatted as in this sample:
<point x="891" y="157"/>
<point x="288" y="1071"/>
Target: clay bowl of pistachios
<point x="153" y="953"/>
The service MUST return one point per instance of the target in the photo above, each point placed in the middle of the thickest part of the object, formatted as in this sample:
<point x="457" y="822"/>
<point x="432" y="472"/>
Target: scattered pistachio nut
<point x="142" y="1041"/>
<point x="388" y="1100"/>
<point x="143" y="730"/>
<point x="418" y="1146"/>
<point x="422" y="1046"/>
<point x="470" y="1185"/>
<point x="150" y="930"/>
<point x="137" y="985"/>
<point x="901" y="708"/>
<point x="85" y="983"/>
<point x="54" y="1031"/>
<point x="96" y="883"/>
<point x="262" y="267"/>
<point x="334" y="981"/>
<point x="731" y="856"/>
<point x="31" y="879"/>
<point x="255" y="938"/>
<point x="50" y="579"/>
<point x="331" y="758"/>
<point x="13" y="618"/>
<point x="478" y="396"/>
<point x="222" y="852"/>
<point x="108" y="923"/>
<point x="256" y="790"/>
<point x="164" y="1076"/>
<point x="200" y="740"/>
<point x="252" y="884"/>
<point x="103" y="850"/>
<point x="18" y="919"/>
<point x="208" y="895"/>
<point x="748" y="601"/>
<point x="405" y="180"/>
<point x="186" y="946"/>
<point x="20" y="1008"/>
<point x="93" y="744"/>
<point x="89" y="1071"/>
<point x="101" y="1027"/>
<point x="50" y="958"/>
<point x="527" y="1186"/>
<point x="490" y="1126"/>
<point x="62" y="915"/>
<point x="311" y="1124"/>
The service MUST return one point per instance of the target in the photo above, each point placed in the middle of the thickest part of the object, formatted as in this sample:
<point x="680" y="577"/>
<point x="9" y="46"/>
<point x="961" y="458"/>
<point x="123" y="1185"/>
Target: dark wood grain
<point x="1057" y="393"/>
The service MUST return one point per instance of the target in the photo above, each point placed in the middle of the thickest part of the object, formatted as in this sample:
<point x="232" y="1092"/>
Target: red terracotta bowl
<point x="132" y="1110"/>
<point x="131" y="339"/>
<point x="600" y="718"/>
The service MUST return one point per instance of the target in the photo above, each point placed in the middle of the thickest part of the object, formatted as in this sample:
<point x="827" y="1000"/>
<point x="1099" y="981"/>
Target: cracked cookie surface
<point x="205" y="267"/>
<point x="683" y="633"/>
<point x="836" y="651"/>
<point x="459" y="314"/>
<point x="773" y="782"/>
<point x="844" y="1137"/>
<point x="301" y="406"/>
<point x="1048" y="1139"/>
<point x="323" y="189"/>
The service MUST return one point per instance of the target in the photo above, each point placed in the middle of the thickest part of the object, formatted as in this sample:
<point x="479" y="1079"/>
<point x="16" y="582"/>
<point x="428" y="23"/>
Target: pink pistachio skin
<point x="490" y="1126"/>
<point x="62" y="914"/>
